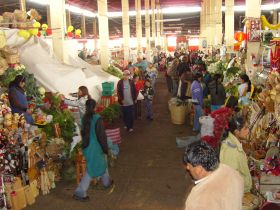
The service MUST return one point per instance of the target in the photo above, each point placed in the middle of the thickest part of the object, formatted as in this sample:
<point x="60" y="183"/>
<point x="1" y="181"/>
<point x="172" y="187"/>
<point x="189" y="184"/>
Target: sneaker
<point x="84" y="199"/>
<point x="130" y="130"/>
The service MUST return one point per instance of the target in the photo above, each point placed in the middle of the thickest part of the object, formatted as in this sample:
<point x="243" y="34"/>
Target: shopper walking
<point x="148" y="93"/>
<point x="217" y="186"/>
<point x="197" y="96"/>
<point x="217" y="92"/>
<point x="152" y="74"/>
<point x="139" y="85"/>
<point x="127" y="98"/>
<point x="95" y="149"/>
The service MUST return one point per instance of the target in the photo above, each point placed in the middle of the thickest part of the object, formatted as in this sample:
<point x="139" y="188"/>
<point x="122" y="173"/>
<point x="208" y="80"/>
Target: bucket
<point x="178" y="114"/>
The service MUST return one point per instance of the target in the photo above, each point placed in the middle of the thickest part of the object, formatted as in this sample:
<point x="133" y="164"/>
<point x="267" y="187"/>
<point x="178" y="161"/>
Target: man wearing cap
<point x="127" y="97"/>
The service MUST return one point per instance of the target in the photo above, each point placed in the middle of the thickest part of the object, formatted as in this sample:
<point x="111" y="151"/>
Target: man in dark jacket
<point x="127" y="97"/>
<point x="217" y="92"/>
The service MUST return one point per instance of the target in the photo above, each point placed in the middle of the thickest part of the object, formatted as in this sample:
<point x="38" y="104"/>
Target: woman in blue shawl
<point x="18" y="100"/>
<point x="95" y="149"/>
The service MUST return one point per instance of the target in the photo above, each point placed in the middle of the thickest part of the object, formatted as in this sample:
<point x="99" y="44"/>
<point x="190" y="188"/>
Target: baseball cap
<point x="126" y="72"/>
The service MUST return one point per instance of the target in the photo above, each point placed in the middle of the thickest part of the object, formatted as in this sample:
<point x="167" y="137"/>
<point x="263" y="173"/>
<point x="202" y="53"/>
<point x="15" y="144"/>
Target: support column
<point x="148" y="29"/>
<point x="153" y="5"/>
<point x="202" y="24"/>
<point x="22" y="4"/>
<point x="103" y="32"/>
<point x="158" y="23"/>
<point x="83" y="26"/>
<point x="95" y="33"/>
<point x="125" y="27"/>
<point x="212" y="24"/>
<point x="229" y="24"/>
<point x="161" y="26"/>
<point x="252" y="47"/>
<point x="49" y="16"/>
<point x="57" y="18"/>
<point x="138" y="25"/>
<point x="219" y="23"/>
<point x="207" y="23"/>
<point x="68" y="18"/>
<point x="275" y="17"/>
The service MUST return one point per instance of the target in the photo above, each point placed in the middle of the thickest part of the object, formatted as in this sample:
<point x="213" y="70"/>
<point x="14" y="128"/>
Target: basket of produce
<point x="11" y="55"/>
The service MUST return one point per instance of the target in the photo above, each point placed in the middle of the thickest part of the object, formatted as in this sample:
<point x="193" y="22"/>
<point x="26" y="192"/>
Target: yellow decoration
<point x="37" y="24"/>
<point x="78" y="32"/>
<point x="23" y="33"/>
<point x="70" y="29"/>
<point x="33" y="32"/>
<point x="45" y="27"/>
<point x="265" y="23"/>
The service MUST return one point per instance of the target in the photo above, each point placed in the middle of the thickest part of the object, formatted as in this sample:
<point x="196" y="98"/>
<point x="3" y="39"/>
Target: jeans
<point x="128" y="116"/>
<point x="198" y="112"/>
<point x="149" y="108"/>
<point x="81" y="190"/>
<point x="175" y="87"/>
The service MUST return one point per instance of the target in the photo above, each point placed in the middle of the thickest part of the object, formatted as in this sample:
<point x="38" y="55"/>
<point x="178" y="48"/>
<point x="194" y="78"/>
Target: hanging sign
<point x="254" y="32"/>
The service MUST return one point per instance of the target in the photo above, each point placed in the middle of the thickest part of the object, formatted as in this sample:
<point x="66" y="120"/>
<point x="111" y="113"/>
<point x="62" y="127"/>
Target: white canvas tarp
<point x="37" y="56"/>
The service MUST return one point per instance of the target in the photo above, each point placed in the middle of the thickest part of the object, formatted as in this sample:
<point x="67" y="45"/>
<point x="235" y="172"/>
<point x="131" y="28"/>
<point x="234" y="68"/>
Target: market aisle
<point x="148" y="174"/>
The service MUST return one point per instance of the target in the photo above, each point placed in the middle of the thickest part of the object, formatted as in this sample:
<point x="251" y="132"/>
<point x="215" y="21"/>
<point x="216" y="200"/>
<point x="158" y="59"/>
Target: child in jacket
<point x="148" y="93"/>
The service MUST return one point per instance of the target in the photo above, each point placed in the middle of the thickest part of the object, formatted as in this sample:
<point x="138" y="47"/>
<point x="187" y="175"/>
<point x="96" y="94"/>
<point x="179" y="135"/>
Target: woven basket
<point x="2" y="39"/>
<point x="54" y="149"/>
<point x="11" y="55"/>
<point x="20" y="15"/>
<point x="269" y="105"/>
<point x="178" y="114"/>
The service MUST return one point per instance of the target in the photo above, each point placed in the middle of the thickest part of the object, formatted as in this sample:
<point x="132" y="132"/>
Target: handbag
<point x="140" y="96"/>
<point x="3" y="40"/>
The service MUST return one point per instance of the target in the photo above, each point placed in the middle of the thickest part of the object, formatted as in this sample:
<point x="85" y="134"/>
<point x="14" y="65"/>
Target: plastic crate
<point x="108" y="86"/>
<point x="107" y="92"/>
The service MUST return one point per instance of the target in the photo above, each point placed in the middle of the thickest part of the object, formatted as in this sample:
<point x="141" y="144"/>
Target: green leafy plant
<point x="268" y="37"/>
<point x="9" y="75"/>
<point x="111" y="113"/>
<point x="113" y="71"/>
<point x="63" y="117"/>
<point x="232" y="72"/>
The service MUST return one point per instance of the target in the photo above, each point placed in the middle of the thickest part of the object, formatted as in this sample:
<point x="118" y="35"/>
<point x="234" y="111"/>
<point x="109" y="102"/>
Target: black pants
<point x="138" y="108"/>
<point x="169" y="84"/>
<point x="128" y="116"/>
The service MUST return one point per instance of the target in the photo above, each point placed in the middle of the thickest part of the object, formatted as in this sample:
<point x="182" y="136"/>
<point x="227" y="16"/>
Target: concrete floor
<point x="149" y="174"/>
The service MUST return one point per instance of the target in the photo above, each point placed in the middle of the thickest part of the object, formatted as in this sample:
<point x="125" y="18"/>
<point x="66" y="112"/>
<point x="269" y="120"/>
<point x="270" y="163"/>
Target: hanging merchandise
<point x="24" y="33"/>
<point x="34" y="31"/>
<point x="254" y="30"/>
<point x="70" y="31"/>
<point x="266" y="24"/>
<point x="275" y="56"/>
<point x="78" y="33"/>
<point x="2" y="39"/>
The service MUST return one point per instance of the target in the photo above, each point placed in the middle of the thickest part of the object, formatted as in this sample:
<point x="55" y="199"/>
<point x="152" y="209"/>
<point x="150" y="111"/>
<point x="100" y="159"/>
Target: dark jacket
<point x="120" y="91"/>
<point x="148" y="93"/>
<point x="217" y="92"/>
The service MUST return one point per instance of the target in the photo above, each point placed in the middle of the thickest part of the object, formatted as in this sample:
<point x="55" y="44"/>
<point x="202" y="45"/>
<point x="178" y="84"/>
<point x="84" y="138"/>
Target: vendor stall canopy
<point x="188" y="17"/>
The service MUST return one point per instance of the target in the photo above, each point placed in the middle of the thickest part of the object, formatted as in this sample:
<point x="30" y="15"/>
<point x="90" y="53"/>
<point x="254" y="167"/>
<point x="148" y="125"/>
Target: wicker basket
<point x="2" y="39"/>
<point x="178" y="114"/>
<point x="11" y="55"/>
<point x="269" y="105"/>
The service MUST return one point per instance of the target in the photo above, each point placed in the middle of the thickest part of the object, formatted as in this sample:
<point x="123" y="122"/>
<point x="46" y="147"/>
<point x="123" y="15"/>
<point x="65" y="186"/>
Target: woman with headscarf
<point x="18" y="100"/>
